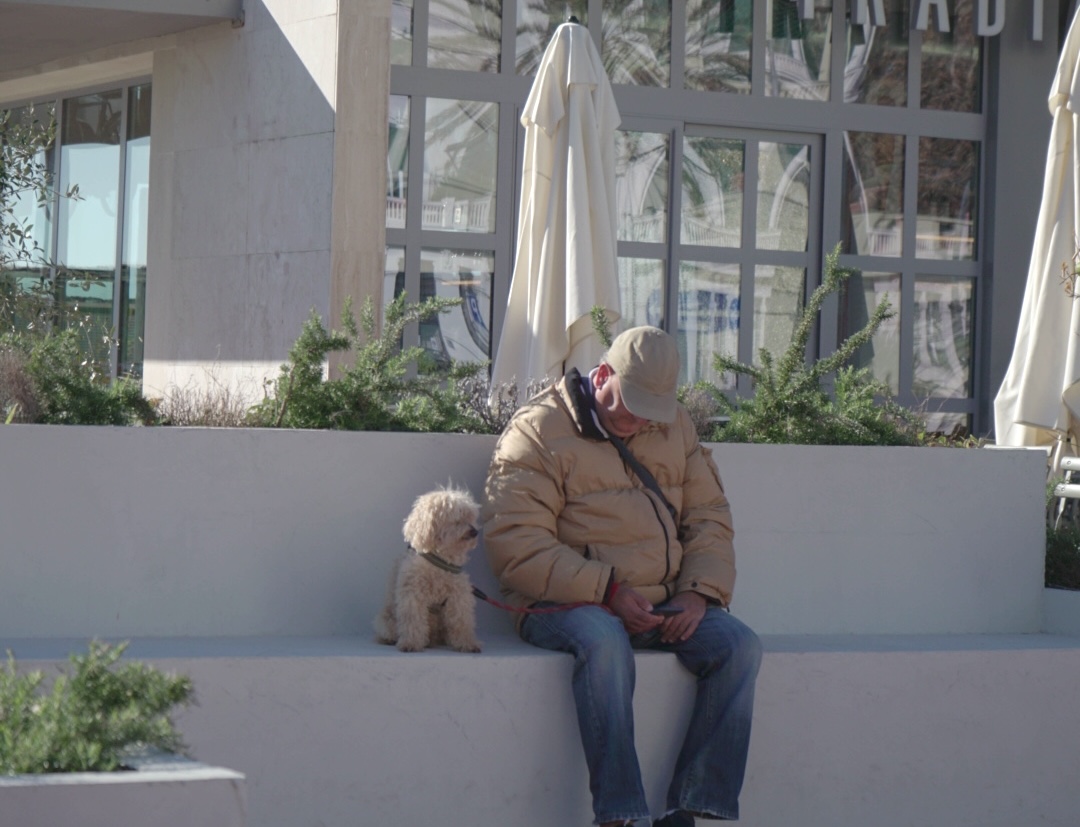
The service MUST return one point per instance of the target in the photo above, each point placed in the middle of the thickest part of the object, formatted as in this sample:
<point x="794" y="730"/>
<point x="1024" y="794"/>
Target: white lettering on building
<point x="922" y="14"/>
<point x="989" y="15"/>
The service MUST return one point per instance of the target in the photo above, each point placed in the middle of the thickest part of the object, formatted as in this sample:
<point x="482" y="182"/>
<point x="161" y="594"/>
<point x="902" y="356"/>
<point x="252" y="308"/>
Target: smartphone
<point x="666" y="610"/>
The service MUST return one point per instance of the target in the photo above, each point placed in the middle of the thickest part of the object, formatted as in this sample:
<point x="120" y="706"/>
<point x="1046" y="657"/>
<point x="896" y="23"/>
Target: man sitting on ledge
<point x="631" y="543"/>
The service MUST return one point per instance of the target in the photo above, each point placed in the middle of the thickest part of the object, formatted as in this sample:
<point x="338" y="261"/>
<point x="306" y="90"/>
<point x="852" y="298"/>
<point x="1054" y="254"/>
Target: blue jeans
<point x="723" y="653"/>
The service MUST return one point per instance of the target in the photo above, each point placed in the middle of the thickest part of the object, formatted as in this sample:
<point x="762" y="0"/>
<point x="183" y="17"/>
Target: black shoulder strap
<point x="644" y="475"/>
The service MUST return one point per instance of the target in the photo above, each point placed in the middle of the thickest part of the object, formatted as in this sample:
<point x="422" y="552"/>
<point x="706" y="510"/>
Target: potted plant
<point x="98" y="745"/>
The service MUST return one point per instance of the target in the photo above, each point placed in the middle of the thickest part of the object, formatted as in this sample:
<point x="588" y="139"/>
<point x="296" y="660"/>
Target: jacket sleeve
<point x="523" y="497"/>
<point x="708" y="564"/>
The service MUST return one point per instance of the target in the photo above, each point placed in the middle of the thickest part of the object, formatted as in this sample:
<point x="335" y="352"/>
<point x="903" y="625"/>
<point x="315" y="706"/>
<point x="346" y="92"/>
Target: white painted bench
<point x="900" y="617"/>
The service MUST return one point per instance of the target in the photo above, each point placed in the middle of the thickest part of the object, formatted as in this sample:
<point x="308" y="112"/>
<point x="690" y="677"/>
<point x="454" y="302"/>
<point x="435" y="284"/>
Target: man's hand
<point x="634" y="611"/>
<point x="679" y="627"/>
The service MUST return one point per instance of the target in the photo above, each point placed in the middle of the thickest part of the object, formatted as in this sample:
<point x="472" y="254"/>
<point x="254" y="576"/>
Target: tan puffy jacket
<point x="563" y="510"/>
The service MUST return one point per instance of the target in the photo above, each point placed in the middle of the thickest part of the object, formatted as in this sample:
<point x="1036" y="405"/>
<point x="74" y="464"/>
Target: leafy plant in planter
<point x="791" y="403"/>
<point x="387" y="388"/>
<point x="90" y="717"/>
<point x="50" y="379"/>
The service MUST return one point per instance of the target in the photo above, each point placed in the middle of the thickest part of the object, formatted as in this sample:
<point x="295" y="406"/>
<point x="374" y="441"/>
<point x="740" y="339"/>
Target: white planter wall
<point x="174" y="792"/>
<point x="200" y="532"/>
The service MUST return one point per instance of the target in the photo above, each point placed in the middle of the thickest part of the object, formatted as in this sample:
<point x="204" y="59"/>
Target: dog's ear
<point x="421" y="525"/>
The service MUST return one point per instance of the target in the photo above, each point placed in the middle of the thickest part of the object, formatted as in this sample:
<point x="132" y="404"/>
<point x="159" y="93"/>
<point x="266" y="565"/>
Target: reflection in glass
<point x="462" y="334"/>
<point x="873" y="207"/>
<point x="25" y="210"/>
<point x="641" y="185"/>
<point x="779" y="293"/>
<point x="783" y="218"/>
<point x="877" y="59"/>
<point x="460" y="154"/>
<point x="401" y="25"/>
<point x="713" y="172"/>
<point x="464" y="35"/>
<point x="943" y="337"/>
<point x="797" y="51"/>
<point x="636" y="42"/>
<point x="136" y="211"/>
<point x="87" y="225"/>
<point x="948" y="199"/>
<point x="719" y="36"/>
<point x="641" y="291"/>
<point x="952" y="63"/>
<point x="537" y="21"/>
<point x="860" y="296"/>
<point x="23" y="261"/>
<point x="708" y="320"/>
<point x="397" y="162"/>
<point x="393" y="276"/>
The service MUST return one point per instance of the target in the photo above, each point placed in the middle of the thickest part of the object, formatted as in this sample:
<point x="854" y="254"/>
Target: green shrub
<point x="792" y="402"/>
<point x="387" y="388"/>
<point x="90" y="717"/>
<point x="63" y="385"/>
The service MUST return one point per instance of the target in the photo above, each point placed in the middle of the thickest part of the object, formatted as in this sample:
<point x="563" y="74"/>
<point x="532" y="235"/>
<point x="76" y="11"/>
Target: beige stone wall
<point x="266" y="184"/>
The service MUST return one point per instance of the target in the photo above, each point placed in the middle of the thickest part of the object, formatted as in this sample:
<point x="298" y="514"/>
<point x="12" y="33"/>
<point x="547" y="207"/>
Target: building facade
<point x="241" y="165"/>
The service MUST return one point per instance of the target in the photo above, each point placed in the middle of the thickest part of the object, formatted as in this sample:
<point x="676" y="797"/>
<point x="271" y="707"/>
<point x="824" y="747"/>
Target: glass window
<point x="943" y="337"/>
<point x="393" y="275"/>
<point x="783" y="215"/>
<point x="860" y="297"/>
<point x="641" y="185"/>
<point x="797" y="51"/>
<point x="401" y="26"/>
<point x="708" y="320"/>
<point x="87" y="221"/>
<point x="136" y="213"/>
<point x="637" y="42"/>
<point x="464" y="333"/>
<point x="779" y="293"/>
<point x="461" y="147"/>
<point x="873" y="206"/>
<point x="464" y="35"/>
<point x="719" y="40"/>
<point x="948" y="198"/>
<point x="877" y="62"/>
<point x="101" y="204"/>
<point x="712" y="191"/>
<point x="641" y="291"/>
<point x="952" y="62"/>
<point x="537" y="21"/>
<point x="26" y="202"/>
<point x="397" y="162"/>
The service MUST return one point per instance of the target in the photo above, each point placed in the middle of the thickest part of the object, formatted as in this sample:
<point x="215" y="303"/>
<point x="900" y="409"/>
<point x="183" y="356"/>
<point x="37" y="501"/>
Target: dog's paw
<point x="473" y="647"/>
<point x="410" y="646"/>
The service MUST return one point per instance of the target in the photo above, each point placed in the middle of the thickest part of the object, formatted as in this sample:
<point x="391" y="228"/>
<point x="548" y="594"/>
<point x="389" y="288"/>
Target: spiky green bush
<point x="387" y="388"/>
<point x="792" y="402"/>
<point x="89" y="718"/>
<point x="53" y="381"/>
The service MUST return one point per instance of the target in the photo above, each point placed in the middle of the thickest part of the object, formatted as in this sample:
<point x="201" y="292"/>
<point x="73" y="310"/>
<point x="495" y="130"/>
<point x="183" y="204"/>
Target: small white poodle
<point x="430" y="600"/>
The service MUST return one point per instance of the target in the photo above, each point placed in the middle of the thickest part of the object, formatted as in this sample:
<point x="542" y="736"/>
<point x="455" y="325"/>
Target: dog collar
<point x="438" y="562"/>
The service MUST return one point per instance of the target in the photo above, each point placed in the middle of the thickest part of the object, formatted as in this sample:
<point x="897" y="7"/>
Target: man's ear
<point x="603" y="373"/>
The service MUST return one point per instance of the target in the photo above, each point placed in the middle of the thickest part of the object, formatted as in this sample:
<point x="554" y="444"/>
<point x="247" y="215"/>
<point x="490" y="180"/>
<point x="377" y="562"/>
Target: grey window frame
<point x="57" y="100"/>
<point x="679" y="109"/>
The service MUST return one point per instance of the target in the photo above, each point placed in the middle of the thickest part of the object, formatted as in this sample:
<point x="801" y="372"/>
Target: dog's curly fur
<point x="427" y="605"/>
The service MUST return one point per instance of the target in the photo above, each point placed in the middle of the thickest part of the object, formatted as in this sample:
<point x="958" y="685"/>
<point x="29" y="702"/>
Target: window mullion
<point x="121" y="218"/>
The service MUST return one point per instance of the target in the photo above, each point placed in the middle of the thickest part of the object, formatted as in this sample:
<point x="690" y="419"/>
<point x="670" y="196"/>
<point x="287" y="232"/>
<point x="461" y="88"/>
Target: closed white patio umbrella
<point x="565" y="262"/>
<point x="1039" y="399"/>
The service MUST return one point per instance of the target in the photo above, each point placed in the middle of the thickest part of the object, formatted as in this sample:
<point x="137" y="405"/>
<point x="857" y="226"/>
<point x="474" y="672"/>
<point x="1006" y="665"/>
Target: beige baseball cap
<point x="646" y="361"/>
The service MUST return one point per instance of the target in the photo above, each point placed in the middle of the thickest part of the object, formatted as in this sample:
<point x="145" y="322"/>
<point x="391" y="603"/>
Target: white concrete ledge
<point x="168" y="791"/>
<point x="197" y="532"/>
<point x="849" y="730"/>
<point x="1061" y="612"/>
